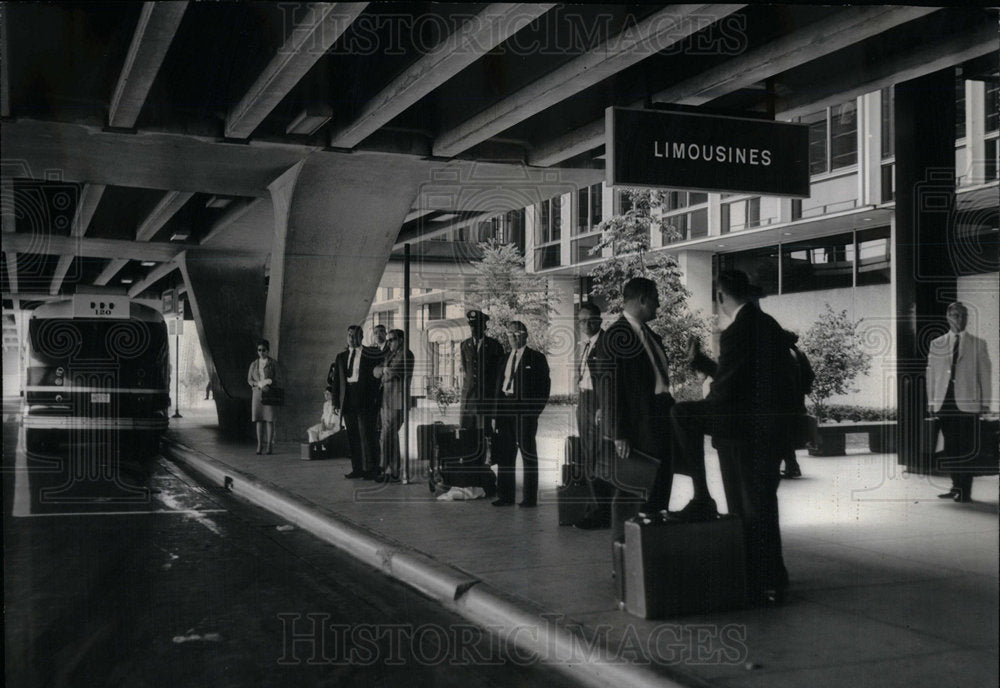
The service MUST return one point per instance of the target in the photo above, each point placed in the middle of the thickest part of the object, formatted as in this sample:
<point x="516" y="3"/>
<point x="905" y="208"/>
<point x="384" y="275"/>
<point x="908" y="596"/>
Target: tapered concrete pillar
<point x="924" y="238"/>
<point x="226" y="292"/>
<point x="334" y="230"/>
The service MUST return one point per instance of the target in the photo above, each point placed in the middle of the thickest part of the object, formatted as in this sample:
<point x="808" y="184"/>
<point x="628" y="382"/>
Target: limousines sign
<point x="679" y="150"/>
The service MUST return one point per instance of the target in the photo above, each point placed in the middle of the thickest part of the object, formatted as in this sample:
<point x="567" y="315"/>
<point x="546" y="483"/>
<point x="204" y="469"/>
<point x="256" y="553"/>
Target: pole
<point x="177" y="369"/>
<point x="406" y="341"/>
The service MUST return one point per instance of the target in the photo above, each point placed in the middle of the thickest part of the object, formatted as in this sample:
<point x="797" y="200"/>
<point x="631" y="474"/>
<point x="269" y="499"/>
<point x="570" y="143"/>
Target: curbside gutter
<point x="568" y="650"/>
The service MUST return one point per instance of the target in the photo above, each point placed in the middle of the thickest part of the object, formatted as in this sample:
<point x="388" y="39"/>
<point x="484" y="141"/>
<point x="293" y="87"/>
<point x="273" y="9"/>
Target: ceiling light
<point x="147" y="263"/>
<point x="218" y="202"/>
<point x="310" y="120"/>
<point x="721" y="245"/>
<point x="126" y="280"/>
<point x="866" y="219"/>
<point x="786" y="233"/>
<point x="180" y="235"/>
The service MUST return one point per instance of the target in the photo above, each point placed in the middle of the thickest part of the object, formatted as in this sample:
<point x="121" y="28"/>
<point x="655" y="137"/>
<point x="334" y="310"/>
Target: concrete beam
<point x="86" y="205"/>
<point x="168" y="206"/>
<point x="113" y="267"/>
<point x="309" y="40"/>
<point x="157" y="25"/>
<point x="852" y="25"/>
<point x="90" y="248"/>
<point x="62" y="267"/>
<point x="151" y="160"/>
<point x="471" y="41"/>
<point x="154" y="276"/>
<point x="231" y="217"/>
<point x="653" y="34"/>
<point x="920" y="60"/>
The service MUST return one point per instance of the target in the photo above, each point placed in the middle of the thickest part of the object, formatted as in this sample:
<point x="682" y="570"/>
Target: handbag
<point x="272" y="396"/>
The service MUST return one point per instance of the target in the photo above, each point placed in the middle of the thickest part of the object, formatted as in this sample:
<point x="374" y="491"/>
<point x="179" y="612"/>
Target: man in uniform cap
<point x="481" y="357"/>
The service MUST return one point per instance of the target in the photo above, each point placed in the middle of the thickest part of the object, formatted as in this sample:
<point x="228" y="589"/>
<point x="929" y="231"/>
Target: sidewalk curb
<point x="480" y="603"/>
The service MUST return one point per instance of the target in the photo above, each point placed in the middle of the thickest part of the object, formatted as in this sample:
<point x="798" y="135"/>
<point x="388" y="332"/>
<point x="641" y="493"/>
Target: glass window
<point x="874" y="256"/>
<point x="549" y="221"/>
<point x="888" y="122"/>
<point x="581" y="248"/>
<point x="844" y="135"/>
<point x="698" y="223"/>
<point x="817" y="141"/>
<point x="761" y="265"/>
<point x="624" y="203"/>
<point x="888" y="182"/>
<point x="596" y="204"/>
<point x="992" y="106"/>
<point x="547" y="257"/>
<point x="824" y="263"/>
<point x="697" y="197"/>
<point x="959" y="108"/>
<point x="588" y="209"/>
<point x="741" y="215"/>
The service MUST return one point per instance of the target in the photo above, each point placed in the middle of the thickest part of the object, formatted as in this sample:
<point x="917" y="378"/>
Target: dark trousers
<point x="960" y="437"/>
<point x="750" y="459"/>
<point x="591" y="443"/>
<point x="516" y="432"/>
<point x="392" y="421"/>
<point x="362" y="439"/>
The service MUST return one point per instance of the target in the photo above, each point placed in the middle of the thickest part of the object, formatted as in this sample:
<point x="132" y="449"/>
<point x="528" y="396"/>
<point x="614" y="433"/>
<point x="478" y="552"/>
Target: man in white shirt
<point x="355" y="396"/>
<point x="958" y="390"/>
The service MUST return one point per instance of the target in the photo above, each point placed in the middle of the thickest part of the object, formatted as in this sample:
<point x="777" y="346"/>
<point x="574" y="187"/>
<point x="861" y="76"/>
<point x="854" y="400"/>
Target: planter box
<point x="832" y="437"/>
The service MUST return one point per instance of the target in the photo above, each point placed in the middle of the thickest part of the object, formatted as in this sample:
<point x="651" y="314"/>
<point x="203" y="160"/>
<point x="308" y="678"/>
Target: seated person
<point x="329" y="424"/>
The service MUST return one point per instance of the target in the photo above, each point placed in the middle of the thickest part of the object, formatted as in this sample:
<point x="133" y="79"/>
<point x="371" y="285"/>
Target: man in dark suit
<point x="395" y="373"/>
<point x="752" y="399"/>
<point x="591" y="442"/>
<point x="633" y="390"/>
<point x="355" y="395"/>
<point x="381" y="339"/>
<point x="521" y="392"/>
<point x="481" y="357"/>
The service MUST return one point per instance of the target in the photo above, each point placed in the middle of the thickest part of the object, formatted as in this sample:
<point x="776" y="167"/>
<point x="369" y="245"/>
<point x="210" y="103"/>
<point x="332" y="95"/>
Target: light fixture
<point x="126" y="280"/>
<point x="218" y="202"/>
<point x="147" y="263"/>
<point x="786" y="234"/>
<point x="721" y="245"/>
<point x="866" y="219"/>
<point x="310" y="120"/>
<point x="181" y="235"/>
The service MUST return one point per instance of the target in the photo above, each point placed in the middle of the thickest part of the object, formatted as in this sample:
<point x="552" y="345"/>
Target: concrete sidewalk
<point x="890" y="586"/>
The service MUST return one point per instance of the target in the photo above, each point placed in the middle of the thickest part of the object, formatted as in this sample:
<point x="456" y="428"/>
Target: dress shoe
<point x="592" y="522"/>
<point x="527" y="503"/>
<point x="371" y="475"/>
<point x="697" y="510"/>
<point x="950" y="494"/>
<point x="382" y="478"/>
<point x="354" y="475"/>
<point x="794" y="473"/>
<point x="503" y="502"/>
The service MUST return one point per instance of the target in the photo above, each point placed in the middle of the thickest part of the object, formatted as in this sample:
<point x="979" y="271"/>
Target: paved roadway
<point x="191" y="587"/>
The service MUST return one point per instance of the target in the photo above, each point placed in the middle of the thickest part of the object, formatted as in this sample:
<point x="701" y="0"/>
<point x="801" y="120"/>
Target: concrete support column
<point x="870" y="149"/>
<point x="335" y="226"/>
<point x="226" y="293"/>
<point x="975" y="132"/>
<point x="696" y="267"/>
<point x="925" y="277"/>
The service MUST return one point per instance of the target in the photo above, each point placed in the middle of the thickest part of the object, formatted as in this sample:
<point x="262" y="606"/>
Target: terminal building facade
<point x="834" y="247"/>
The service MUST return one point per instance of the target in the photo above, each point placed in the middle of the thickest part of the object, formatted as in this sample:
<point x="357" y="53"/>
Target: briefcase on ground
<point x="572" y="500"/>
<point x="674" y="568"/>
<point x="573" y="471"/>
<point x="332" y="447"/>
<point x="636" y="474"/>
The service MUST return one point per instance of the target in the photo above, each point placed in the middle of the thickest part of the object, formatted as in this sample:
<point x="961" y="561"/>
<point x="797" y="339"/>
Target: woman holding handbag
<point x="263" y="378"/>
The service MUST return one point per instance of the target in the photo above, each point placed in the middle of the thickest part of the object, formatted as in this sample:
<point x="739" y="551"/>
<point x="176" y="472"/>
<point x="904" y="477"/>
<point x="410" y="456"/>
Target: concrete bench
<point x="833" y="437"/>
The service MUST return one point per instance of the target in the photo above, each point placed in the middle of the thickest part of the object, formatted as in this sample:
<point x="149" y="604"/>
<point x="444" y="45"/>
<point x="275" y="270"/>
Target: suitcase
<point x="427" y="439"/>
<point x="674" y="568"/>
<point x="332" y="447"/>
<point x="618" y="562"/>
<point x="573" y="500"/>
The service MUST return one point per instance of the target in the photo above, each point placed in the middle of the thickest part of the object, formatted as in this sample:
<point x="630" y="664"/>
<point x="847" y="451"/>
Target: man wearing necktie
<point x="958" y="390"/>
<point x="601" y="492"/>
<point x="355" y="396"/>
<point x="633" y="389"/>
<point x="522" y="390"/>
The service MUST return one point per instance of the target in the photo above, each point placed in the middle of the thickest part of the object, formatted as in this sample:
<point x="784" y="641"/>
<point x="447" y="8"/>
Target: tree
<point x="505" y="292"/>
<point x="835" y="351"/>
<point x="627" y="236"/>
